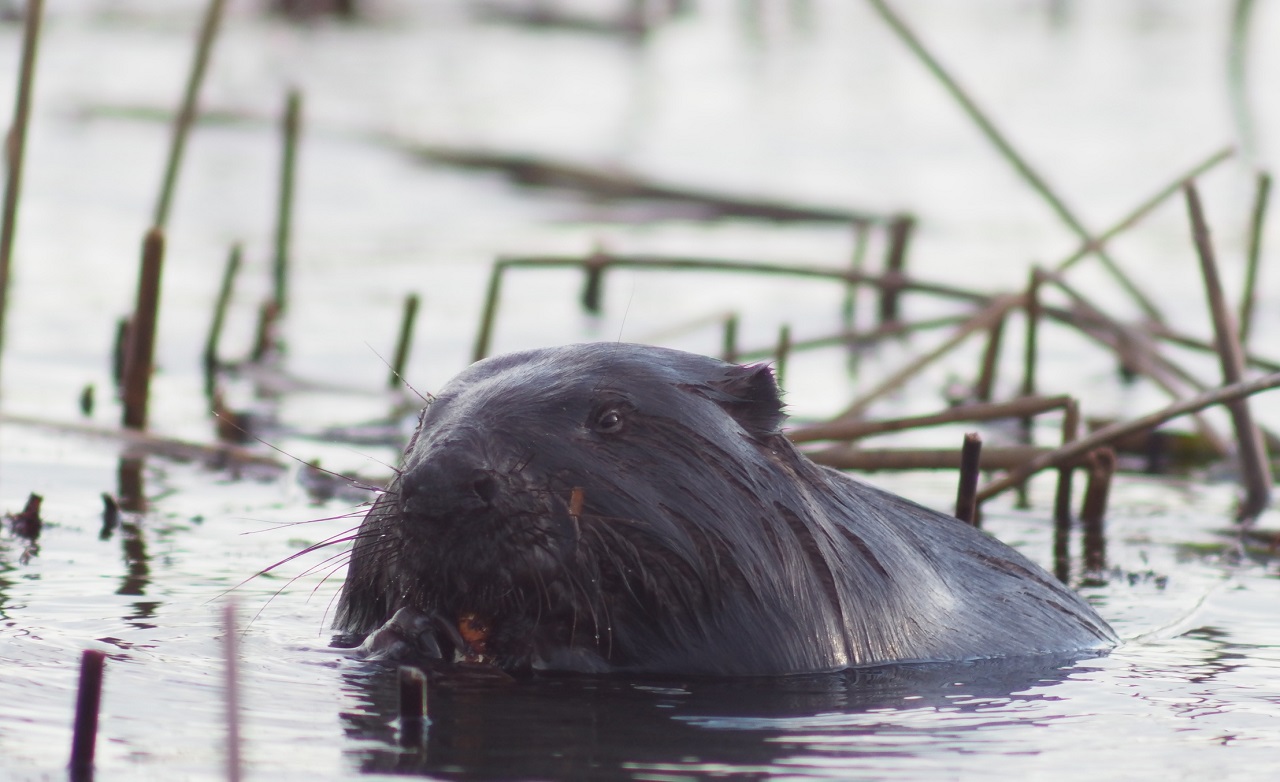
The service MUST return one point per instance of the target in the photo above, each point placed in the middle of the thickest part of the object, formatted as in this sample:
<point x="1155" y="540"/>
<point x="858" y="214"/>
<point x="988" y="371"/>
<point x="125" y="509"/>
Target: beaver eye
<point x="609" y="421"/>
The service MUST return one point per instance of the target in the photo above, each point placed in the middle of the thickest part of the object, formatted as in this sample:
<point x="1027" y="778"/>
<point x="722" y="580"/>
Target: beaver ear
<point x="751" y="395"/>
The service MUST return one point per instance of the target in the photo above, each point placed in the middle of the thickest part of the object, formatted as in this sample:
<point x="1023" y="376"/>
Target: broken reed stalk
<point x="1254" y="464"/>
<point x="413" y="705"/>
<point x="265" y="339"/>
<point x="185" y="117"/>
<point x="231" y="684"/>
<point x="1031" y="348"/>
<point x="289" y="128"/>
<point x="14" y="151"/>
<point x="1259" y="218"/>
<point x="900" y="230"/>
<point x="84" y="736"/>
<point x="1094" y="509"/>
<point x="140" y="354"/>
<point x="1062" y="497"/>
<point x="781" y="354"/>
<point x="858" y="340"/>
<point x="984" y="319"/>
<point x="593" y="283"/>
<point x="229" y="273"/>
<point x="1019" y="163"/>
<point x="1106" y="435"/>
<point x="967" y="493"/>
<point x="407" y="318"/>
<point x="989" y="411"/>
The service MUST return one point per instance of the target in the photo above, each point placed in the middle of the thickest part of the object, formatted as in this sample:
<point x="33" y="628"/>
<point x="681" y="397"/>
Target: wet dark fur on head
<point x="611" y="507"/>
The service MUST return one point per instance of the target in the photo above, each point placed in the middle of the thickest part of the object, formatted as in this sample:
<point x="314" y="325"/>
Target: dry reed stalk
<point x="84" y="736"/>
<point x="1020" y="164"/>
<point x="185" y="117"/>
<point x="1093" y="510"/>
<point x="140" y="355"/>
<point x="873" y="459"/>
<point x="1254" y="254"/>
<point x="14" y="151"/>
<point x="1062" y="497"/>
<point x="967" y="493"/>
<point x="1254" y="463"/>
<point x="1070" y="452"/>
<point x="849" y="310"/>
<point x="412" y="686"/>
<point x="405" y="339"/>
<point x="229" y="273"/>
<point x="289" y="128"/>
<point x="900" y="230"/>
<point x="983" y="319"/>
<point x="988" y="411"/>
<point x="1139" y="354"/>
<point x="729" y="340"/>
<point x="986" y="382"/>
<point x="231" y="686"/>
<point x="858" y="340"/>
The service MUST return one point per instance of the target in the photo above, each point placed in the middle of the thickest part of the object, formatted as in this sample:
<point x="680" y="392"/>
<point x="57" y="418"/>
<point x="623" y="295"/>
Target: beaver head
<point x="570" y="507"/>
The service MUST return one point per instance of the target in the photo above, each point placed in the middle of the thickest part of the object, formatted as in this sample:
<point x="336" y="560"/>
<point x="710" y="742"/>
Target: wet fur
<point x="705" y="543"/>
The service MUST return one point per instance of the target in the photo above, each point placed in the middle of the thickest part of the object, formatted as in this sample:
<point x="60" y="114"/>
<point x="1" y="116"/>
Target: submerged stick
<point x="284" y="207"/>
<point x="183" y="120"/>
<point x="84" y="736"/>
<point x="231" y="684"/>
<point x="1020" y="164"/>
<point x="407" y="318"/>
<point x="14" y="151"/>
<point x="140" y="354"/>
<point x="967" y="493"/>
<point x="1109" y="434"/>
<point x="1254" y="464"/>
<point x="1261" y="196"/>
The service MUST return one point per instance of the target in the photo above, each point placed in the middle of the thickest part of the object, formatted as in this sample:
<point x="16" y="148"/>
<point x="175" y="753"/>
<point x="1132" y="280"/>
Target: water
<point x="811" y="100"/>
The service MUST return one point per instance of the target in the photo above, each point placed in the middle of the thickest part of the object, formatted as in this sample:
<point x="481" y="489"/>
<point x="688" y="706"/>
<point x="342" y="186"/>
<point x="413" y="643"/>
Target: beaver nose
<point x="443" y="487"/>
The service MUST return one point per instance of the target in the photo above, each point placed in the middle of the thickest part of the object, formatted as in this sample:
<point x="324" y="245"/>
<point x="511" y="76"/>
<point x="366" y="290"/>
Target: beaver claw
<point x="408" y="633"/>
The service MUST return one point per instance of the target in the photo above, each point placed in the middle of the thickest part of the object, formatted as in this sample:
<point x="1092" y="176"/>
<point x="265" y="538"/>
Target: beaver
<point x="614" y="507"/>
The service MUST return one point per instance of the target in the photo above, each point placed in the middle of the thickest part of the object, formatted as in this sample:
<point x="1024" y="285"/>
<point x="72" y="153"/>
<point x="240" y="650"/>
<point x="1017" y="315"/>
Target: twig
<point x="14" y="147"/>
<point x="1254" y="464"/>
<point x="1070" y="452"/>
<point x="183" y="120"/>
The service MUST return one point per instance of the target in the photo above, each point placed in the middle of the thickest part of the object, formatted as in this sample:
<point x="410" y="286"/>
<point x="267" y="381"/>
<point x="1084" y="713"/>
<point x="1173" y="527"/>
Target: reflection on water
<point x="575" y="728"/>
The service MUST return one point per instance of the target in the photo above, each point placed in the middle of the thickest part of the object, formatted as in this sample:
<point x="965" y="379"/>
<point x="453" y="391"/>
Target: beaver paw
<point x="409" y="633"/>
